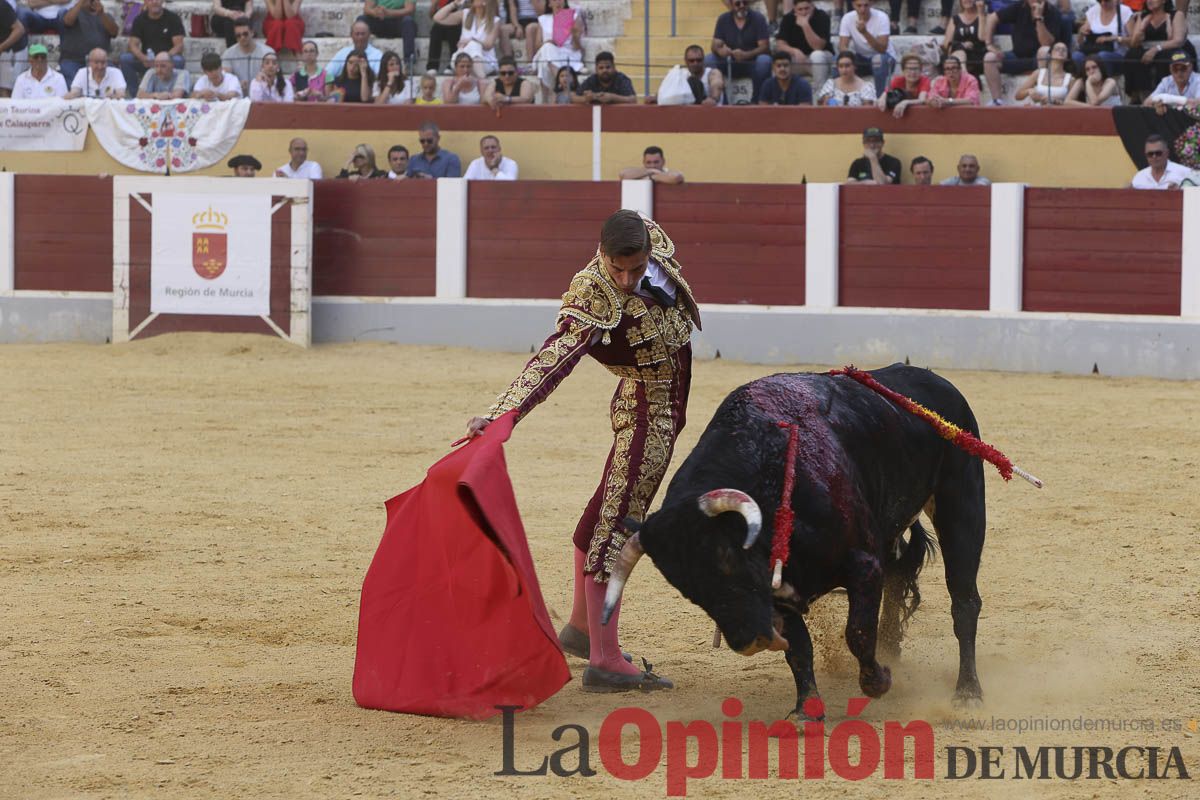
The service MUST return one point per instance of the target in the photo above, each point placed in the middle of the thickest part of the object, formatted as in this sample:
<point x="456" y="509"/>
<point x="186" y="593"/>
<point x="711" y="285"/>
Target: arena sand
<point x="187" y="521"/>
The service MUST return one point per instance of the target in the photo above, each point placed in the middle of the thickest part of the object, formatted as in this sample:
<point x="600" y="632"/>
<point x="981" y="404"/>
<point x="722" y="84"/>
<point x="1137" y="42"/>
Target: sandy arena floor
<point x="185" y="523"/>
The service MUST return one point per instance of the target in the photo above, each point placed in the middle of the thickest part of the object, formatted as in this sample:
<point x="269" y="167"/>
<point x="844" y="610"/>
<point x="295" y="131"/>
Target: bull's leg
<point x="960" y="524"/>
<point x="890" y="629"/>
<point x="799" y="658"/>
<point x="864" y="591"/>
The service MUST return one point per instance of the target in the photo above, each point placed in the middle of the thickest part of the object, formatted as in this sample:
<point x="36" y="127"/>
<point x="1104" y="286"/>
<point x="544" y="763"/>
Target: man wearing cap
<point x="164" y="82"/>
<point x="98" y="79"/>
<point x="245" y="166"/>
<point x="39" y="82"/>
<point x="1180" y="88"/>
<point x="13" y="60"/>
<point x="875" y="166"/>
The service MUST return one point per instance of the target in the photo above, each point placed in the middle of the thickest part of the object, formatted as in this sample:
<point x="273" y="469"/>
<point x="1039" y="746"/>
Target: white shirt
<point x="86" y="84"/>
<point x="1168" y="87"/>
<point x="1174" y="173"/>
<point x="260" y="92"/>
<point x="878" y="25"/>
<point x="27" y="87"/>
<point x="309" y="169"/>
<point x="229" y="83"/>
<point x="478" y="171"/>
<point x="1100" y="29"/>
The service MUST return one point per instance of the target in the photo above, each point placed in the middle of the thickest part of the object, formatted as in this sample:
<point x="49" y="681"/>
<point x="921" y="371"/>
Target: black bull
<point x="865" y="468"/>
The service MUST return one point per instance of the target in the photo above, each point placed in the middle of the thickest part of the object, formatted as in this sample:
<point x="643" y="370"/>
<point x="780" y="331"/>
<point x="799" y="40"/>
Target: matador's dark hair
<point x="624" y="234"/>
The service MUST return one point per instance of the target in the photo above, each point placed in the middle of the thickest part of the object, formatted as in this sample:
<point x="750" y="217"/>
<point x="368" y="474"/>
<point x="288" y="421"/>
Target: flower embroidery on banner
<point x="166" y="140"/>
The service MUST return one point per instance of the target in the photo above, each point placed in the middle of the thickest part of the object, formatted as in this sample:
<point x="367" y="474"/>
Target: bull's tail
<point x="921" y="548"/>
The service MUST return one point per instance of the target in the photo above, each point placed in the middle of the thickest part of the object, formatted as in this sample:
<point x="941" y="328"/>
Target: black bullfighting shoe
<point x="601" y="680"/>
<point x="575" y="642"/>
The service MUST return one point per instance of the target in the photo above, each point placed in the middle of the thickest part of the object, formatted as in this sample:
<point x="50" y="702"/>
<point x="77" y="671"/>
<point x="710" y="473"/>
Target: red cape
<point x="452" y="622"/>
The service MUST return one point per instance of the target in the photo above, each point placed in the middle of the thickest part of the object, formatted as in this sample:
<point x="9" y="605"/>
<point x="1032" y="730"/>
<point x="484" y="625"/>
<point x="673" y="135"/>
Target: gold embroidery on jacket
<point x="542" y="366"/>
<point x="624" y="419"/>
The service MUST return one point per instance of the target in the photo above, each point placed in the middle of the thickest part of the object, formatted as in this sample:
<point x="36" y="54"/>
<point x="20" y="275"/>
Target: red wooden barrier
<point x="738" y="243"/>
<point x="1105" y="251"/>
<point x="63" y="233"/>
<point x="914" y="247"/>
<point x="374" y="238"/>
<point x="527" y="238"/>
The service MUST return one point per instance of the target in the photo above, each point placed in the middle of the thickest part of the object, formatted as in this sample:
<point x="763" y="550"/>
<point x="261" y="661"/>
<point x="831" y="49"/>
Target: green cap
<point x="38" y="50"/>
<point x="872" y="133"/>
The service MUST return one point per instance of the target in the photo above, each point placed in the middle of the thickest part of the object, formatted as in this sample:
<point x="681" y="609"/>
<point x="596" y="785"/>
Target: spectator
<point x="244" y="166"/>
<point x="39" y="82"/>
<point x="283" y="27"/>
<point x="393" y="19"/>
<point x="309" y="81"/>
<point x="244" y="59"/>
<point x="1162" y="172"/>
<point x="1051" y="84"/>
<point x="440" y="34"/>
<point x="41" y="16"/>
<point x="433" y="161"/>
<point x="706" y="84"/>
<point x="964" y="36"/>
<point x="556" y="40"/>
<point x="653" y="168"/>
<point x="492" y="165"/>
<point x="13" y="61"/>
<point x="269" y="86"/>
<point x="299" y="166"/>
<point x="1104" y="34"/>
<point x="361" y="165"/>
<point x="1035" y="24"/>
<point x="739" y="45"/>
<point x="847" y="89"/>
<point x="910" y="88"/>
<point x="225" y="13"/>
<point x="463" y="88"/>
<point x="1095" y="88"/>
<point x="968" y="173"/>
<point x="360" y="41"/>
<point x="566" y="84"/>
<point x="1160" y="30"/>
<point x="922" y="171"/>
<point x="1182" y="84"/>
<point x="164" y="82"/>
<point x="85" y="26"/>
<point x="393" y="88"/>
<point x="354" y="84"/>
<point x="398" y="161"/>
<point x="875" y="166"/>
<point x="804" y="34"/>
<point x="606" y="86"/>
<point x="914" y="8"/>
<point x="98" y="79"/>
<point x="783" y="88"/>
<point x="954" y="87"/>
<point x="428" y="95"/>
<point x="215" y="83"/>
<point x="509" y="88"/>
<point x="480" y="29"/>
<point x="867" y="35"/>
<point x="153" y="31"/>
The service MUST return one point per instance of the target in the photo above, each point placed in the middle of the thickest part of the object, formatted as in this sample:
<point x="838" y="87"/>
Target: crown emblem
<point x="210" y="220"/>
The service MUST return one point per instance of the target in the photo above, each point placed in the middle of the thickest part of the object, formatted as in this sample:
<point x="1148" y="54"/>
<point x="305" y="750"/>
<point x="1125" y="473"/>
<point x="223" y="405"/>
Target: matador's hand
<point x="476" y="425"/>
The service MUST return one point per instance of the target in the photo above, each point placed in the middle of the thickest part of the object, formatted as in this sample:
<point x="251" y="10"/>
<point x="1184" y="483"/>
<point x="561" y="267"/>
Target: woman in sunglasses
<point x="361" y="165"/>
<point x="847" y="89"/>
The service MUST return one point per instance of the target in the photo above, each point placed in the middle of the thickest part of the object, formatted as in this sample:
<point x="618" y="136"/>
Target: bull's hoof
<point x="888" y="649"/>
<point x="875" y="683"/>
<point x="811" y="709"/>
<point x="967" y="700"/>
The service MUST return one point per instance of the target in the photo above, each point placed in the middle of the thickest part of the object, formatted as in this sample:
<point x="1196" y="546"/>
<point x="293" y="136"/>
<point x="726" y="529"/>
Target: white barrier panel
<point x="821" y="234"/>
<point x="638" y="196"/>
<point x="1007" y="247"/>
<point x="451" y="246"/>
<point x="8" y="232"/>
<point x="1189" y="298"/>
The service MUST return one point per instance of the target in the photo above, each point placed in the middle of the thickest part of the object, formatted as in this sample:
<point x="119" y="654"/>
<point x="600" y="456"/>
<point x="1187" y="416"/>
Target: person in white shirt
<point x="867" y="35"/>
<point x="1180" y="88"/>
<point x="300" y="166"/>
<point x="242" y="58"/>
<point x="39" y="82"/>
<point x="98" y="79"/>
<point x="215" y="83"/>
<point x="1162" y="172"/>
<point x="492" y="165"/>
<point x="270" y="86"/>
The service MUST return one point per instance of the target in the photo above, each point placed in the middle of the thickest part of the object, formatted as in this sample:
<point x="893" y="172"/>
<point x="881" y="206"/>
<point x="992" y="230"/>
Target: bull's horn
<point x="626" y="561"/>
<point x="718" y="501"/>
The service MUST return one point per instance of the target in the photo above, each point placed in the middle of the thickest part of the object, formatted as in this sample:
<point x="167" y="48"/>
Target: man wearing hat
<point x="875" y="166"/>
<point x="39" y="82"/>
<point x="245" y="166"/>
<point x="1180" y="88"/>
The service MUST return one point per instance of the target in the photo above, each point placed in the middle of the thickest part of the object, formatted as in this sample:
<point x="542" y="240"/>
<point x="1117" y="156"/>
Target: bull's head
<point x="706" y="550"/>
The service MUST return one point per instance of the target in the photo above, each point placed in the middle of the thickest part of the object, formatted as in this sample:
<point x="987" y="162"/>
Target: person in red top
<point x="909" y="88"/>
<point x="631" y="310"/>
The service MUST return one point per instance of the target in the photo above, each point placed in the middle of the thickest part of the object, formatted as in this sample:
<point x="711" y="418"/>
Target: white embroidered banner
<point x="167" y="137"/>
<point x="210" y="254"/>
<point x="42" y="125"/>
